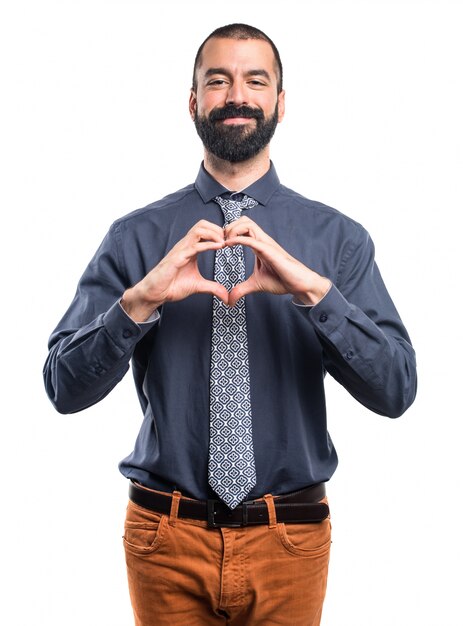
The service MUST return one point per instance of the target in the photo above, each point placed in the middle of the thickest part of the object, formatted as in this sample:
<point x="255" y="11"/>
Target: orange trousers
<point x="182" y="573"/>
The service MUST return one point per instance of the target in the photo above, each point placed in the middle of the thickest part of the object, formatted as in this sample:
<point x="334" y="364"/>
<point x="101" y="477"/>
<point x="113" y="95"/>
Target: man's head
<point x="239" y="32"/>
<point x="237" y="97"/>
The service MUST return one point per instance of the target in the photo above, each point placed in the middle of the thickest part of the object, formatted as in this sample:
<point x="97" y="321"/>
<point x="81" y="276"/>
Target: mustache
<point x="231" y="110"/>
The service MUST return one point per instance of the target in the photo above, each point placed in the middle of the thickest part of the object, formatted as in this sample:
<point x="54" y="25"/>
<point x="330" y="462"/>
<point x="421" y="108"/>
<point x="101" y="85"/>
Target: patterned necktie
<point x="232" y="472"/>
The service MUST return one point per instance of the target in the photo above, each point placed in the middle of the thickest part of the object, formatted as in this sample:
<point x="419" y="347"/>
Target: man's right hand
<point x="177" y="276"/>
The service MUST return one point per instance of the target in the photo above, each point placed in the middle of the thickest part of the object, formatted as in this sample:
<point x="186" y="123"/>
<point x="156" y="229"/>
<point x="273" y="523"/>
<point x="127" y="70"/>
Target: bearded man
<point x="232" y="298"/>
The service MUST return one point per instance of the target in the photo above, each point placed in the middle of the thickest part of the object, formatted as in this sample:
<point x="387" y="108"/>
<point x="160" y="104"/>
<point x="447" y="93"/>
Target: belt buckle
<point x="212" y="513"/>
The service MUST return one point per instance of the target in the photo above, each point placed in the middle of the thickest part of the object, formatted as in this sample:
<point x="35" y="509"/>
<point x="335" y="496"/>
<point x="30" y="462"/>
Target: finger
<point x="202" y="246"/>
<point x="193" y="249"/>
<point x="214" y="288"/>
<point x="246" y="227"/>
<point x="206" y="227"/>
<point x="250" y="242"/>
<point x="203" y="233"/>
<point x="241" y="290"/>
<point x="243" y="226"/>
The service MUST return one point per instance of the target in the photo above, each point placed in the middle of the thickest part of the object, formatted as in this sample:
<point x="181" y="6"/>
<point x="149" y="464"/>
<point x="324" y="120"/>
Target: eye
<point x="256" y="83"/>
<point x="217" y="82"/>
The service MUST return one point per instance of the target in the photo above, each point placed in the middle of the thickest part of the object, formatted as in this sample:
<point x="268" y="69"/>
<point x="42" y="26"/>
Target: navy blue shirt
<point x="354" y="333"/>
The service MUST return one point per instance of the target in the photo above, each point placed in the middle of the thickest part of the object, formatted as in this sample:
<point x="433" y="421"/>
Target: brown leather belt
<point x="302" y="506"/>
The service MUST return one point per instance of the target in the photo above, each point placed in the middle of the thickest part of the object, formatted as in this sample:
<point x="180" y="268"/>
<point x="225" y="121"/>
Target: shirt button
<point x="349" y="354"/>
<point x="126" y="333"/>
<point x="323" y="317"/>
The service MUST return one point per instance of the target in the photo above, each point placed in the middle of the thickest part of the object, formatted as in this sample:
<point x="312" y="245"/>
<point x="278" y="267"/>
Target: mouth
<point x="237" y="120"/>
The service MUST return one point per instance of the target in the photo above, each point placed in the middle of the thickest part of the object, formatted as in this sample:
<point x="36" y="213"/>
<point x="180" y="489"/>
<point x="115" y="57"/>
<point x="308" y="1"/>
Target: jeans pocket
<point x="309" y="540"/>
<point x="143" y="530"/>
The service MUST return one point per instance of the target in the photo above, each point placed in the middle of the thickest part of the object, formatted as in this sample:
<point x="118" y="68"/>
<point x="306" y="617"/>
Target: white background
<point x="94" y="124"/>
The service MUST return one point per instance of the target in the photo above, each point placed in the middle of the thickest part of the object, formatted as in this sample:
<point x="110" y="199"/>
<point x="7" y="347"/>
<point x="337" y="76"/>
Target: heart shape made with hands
<point x="275" y="271"/>
<point x="263" y="276"/>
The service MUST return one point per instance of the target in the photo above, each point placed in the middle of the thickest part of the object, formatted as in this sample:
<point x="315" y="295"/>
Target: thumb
<point x="241" y="290"/>
<point x="214" y="288"/>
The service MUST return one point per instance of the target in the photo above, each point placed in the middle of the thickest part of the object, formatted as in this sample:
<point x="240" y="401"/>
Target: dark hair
<point x="240" y="31"/>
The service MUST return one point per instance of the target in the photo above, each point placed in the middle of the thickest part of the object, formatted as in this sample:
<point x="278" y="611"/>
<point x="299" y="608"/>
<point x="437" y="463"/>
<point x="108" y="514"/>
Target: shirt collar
<point x="261" y="190"/>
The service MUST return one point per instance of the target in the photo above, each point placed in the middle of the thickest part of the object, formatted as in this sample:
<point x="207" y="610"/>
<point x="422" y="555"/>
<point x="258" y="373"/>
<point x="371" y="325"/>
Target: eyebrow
<point x="221" y="70"/>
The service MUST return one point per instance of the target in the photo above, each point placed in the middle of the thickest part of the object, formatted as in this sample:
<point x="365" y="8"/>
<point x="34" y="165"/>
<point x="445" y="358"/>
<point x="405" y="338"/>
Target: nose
<point x="236" y="94"/>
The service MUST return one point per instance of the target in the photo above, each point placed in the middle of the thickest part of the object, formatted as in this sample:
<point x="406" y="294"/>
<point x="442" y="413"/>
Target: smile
<point x="237" y="120"/>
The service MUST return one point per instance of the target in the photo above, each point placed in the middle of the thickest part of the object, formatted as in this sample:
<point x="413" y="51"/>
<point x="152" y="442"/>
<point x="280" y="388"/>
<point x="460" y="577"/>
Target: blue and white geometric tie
<point x="232" y="471"/>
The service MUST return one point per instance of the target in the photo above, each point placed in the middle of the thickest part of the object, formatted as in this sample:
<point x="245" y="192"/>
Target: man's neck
<point x="237" y="176"/>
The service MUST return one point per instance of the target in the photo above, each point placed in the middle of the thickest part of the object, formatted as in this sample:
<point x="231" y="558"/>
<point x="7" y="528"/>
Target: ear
<point x="192" y="104"/>
<point x="281" y="105"/>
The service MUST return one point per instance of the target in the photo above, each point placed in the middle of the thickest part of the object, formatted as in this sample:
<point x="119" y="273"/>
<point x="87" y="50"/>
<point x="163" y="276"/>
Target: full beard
<point x="235" y="142"/>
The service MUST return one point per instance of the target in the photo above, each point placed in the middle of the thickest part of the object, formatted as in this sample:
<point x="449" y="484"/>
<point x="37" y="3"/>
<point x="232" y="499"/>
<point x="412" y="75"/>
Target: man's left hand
<point x="275" y="271"/>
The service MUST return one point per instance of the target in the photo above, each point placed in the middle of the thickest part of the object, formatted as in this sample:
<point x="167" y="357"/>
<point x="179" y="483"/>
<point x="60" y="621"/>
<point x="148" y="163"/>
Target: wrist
<point x="316" y="292"/>
<point x="137" y="306"/>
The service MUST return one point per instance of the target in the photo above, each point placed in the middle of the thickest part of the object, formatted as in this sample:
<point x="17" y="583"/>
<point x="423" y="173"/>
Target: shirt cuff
<point x="123" y="330"/>
<point x="152" y="318"/>
<point x="328" y="313"/>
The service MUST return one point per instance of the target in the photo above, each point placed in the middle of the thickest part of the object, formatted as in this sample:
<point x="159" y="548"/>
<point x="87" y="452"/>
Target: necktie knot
<point x="233" y="206"/>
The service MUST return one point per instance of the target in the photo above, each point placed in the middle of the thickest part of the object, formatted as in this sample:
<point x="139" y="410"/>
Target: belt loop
<point x="272" y="515"/>
<point x="174" y="508"/>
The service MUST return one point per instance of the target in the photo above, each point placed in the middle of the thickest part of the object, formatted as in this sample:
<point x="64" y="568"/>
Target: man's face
<point x="236" y="106"/>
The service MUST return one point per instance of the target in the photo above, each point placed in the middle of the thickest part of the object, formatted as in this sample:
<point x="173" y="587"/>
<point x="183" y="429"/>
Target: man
<point x="228" y="520"/>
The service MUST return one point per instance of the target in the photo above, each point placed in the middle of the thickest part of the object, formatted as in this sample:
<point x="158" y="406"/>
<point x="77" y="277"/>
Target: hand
<point x="275" y="271"/>
<point x="177" y="276"/>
